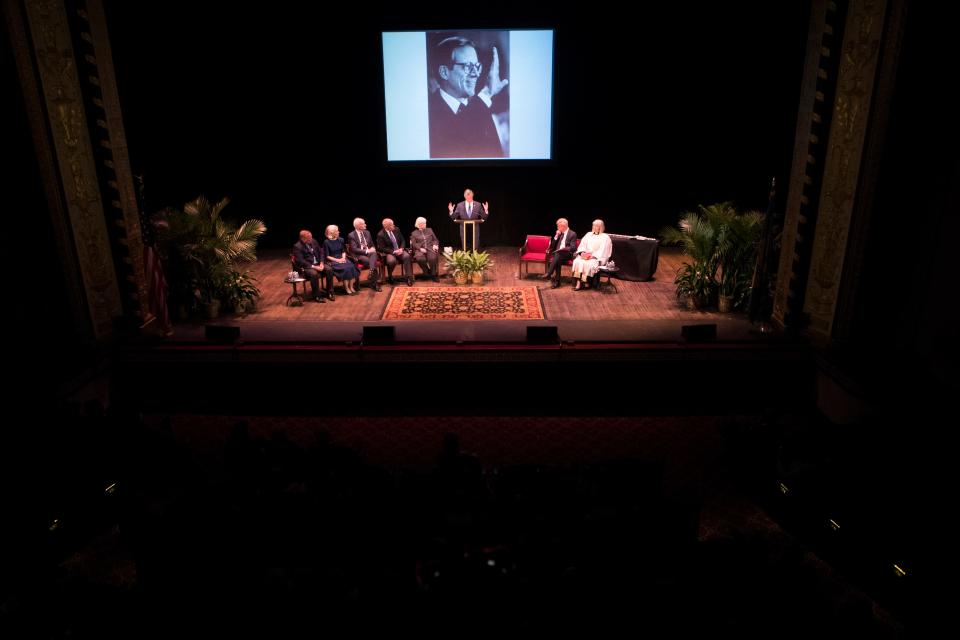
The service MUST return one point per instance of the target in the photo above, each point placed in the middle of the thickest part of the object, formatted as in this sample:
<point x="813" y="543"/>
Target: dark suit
<point x="385" y="248"/>
<point x="560" y="258"/>
<point x="476" y="212"/>
<point x="429" y="261"/>
<point x="469" y="133"/>
<point x="310" y="262"/>
<point x="356" y="252"/>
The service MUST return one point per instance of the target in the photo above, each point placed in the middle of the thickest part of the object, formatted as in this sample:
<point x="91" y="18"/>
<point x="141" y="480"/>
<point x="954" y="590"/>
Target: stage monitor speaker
<point x="698" y="332"/>
<point x="222" y="333"/>
<point x="542" y="335"/>
<point x="379" y="335"/>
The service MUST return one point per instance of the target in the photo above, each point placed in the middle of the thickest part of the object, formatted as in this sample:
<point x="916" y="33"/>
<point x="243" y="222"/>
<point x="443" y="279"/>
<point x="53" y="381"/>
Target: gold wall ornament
<point x="72" y="151"/>
<point x="858" y="68"/>
<point x="831" y="157"/>
<point x="77" y="125"/>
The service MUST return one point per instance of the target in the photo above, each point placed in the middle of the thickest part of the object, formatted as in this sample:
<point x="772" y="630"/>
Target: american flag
<point x="759" y="307"/>
<point x="156" y="302"/>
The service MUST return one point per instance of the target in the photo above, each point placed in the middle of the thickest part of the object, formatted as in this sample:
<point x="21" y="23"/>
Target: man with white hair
<point x="361" y="248"/>
<point x="563" y="244"/>
<point x="426" y="249"/>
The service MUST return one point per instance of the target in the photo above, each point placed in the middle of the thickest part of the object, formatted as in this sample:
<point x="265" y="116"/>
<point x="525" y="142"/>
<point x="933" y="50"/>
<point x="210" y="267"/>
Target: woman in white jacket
<point x="594" y="250"/>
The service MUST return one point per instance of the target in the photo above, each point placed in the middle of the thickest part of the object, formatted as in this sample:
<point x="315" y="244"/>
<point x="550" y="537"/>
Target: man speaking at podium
<point x="469" y="210"/>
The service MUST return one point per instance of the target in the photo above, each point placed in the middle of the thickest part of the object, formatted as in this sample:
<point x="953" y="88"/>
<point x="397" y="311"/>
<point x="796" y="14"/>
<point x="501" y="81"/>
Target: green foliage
<point x="722" y="244"/>
<point x="459" y="262"/>
<point x="691" y="282"/>
<point x="480" y="260"/>
<point x="467" y="262"/>
<point x="240" y="287"/>
<point x="737" y="245"/>
<point x="697" y="236"/>
<point x="202" y="252"/>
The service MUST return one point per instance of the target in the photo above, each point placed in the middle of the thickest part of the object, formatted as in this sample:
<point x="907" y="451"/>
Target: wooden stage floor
<point x="624" y="312"/>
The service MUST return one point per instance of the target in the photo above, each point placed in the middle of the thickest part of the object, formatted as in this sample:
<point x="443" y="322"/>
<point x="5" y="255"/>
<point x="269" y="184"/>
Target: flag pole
<point x="761" y="297"/>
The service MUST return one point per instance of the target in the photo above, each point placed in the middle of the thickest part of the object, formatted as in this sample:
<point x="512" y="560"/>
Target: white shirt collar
<point x="452" y="102"/>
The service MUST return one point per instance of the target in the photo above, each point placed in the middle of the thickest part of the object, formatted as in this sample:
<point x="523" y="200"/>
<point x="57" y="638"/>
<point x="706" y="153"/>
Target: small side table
<point x="606" y="272"/>
<point x="296" y="298"/>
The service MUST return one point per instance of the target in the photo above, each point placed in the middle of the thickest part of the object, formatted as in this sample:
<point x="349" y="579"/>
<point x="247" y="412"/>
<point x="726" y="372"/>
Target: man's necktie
<point x="363" y="241"/>
<point x="469" y="210"/>
<point x="393" y="240"/>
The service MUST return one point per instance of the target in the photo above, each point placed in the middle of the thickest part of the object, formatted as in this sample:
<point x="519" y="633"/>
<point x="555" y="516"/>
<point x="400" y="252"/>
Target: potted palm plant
<point x="202" y="251"/>
<point x="696" y="280"/>
<point x="737" y="240"/>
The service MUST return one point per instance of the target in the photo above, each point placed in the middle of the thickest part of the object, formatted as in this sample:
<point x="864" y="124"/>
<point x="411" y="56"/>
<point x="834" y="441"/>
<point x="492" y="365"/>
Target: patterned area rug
<point x="464" y="303"/>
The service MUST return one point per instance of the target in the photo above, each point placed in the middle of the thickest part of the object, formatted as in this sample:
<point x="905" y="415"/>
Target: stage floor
<point x="621" y="312"/>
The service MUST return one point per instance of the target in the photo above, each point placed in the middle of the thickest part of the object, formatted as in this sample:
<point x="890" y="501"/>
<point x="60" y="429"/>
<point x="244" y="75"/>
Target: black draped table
<point x="636" y="259"/>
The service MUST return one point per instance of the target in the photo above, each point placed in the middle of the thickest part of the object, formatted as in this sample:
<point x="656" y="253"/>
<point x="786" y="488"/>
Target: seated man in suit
<point x="563" y="244"/>
<point x="391" y="245"/>
<point x="309" y="258"/>
<point x="360" y="248"/>
<point x="426" y="249"/>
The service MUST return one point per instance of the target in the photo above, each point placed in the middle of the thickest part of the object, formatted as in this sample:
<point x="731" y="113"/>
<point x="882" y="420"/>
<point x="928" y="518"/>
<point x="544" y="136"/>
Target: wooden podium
<point x="474" y="232"/>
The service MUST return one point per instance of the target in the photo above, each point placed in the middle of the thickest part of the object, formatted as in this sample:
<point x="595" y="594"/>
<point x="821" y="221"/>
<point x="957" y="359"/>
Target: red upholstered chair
<point x="361" y="267"/>
<point x="534" y="250"/>
<point x="381" y="269"/>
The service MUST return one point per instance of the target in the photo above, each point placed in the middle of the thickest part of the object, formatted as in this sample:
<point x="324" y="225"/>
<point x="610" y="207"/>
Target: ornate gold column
<point x="848" y="130"/>
<point x="830" y="181"/>
<point x="65" y="66"/>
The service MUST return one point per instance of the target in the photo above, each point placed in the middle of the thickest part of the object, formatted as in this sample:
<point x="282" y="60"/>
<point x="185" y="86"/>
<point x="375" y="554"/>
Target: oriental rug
<point x="464" y="303"/>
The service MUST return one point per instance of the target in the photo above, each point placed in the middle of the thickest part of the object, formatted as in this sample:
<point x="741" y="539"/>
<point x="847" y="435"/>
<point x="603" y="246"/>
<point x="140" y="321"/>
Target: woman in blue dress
<point x="343" y="267"/>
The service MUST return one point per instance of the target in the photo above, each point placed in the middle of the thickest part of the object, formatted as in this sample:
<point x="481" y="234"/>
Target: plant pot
<point x="695" y="303"/>
<point x="477" y="277"/>
<point x="460" y="277"/>
<point x="725" y="304"/>
<point x="211" y="309"/>
<point x="239" y="308"/>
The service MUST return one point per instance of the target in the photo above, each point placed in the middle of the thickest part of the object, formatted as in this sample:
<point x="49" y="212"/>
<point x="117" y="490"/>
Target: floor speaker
<point x="698" y="332"/>
<point x="542" y="335"/>
<point x="222" y="333"/>
<point x="379" y="335"/>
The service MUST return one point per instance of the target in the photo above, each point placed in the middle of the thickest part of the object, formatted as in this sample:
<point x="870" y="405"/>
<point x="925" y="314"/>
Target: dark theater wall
<point x="281" y="109"/>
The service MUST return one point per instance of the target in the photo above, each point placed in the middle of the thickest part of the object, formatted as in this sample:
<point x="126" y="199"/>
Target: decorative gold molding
<point x="851" y="111"/>
<point x="118" y="147"/>
<point x="806" y="117"/>
<point x="60" y="86"/>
